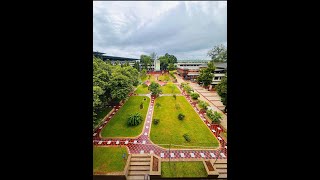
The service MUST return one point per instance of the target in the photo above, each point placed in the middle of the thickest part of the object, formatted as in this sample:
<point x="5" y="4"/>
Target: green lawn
<point x="165" y="77"/>
<point x="183" y="169"/>
<point x="118" y="126"/>
<point x="142" y="90"/>
<point x="143" y="79"/>
<point x="108" y="159"/>
<point x="170" y="88"/>
<point x="101" y="114"/>
<point x="152" y="78"/>
<point x="171" y="129"/>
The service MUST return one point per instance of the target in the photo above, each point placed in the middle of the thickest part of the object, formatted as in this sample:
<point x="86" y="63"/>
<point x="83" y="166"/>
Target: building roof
<point x="193" y="74"/>
<point x="113" y="58"/>
<point x="221" y="65"/>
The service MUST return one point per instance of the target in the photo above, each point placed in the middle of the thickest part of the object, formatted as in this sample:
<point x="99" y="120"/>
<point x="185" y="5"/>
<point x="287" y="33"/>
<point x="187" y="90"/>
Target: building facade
<point x="190" y="70"/>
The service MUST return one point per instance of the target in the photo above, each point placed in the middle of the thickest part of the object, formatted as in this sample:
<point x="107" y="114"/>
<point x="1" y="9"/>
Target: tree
<point x="171" y="67"/>
<point x="205" y="76"/>
<point x="218" y="53"/>
<point x="155" y="88"/>
<point x="136" y="66"/>
<point x="166" y="60"/>
<point x="222" y="91"/>
<point x="145" y="60"/>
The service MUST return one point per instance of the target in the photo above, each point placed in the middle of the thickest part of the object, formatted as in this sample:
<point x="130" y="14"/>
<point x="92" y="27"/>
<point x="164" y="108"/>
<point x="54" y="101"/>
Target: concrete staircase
<point x="139" y="167"/>
<point x="221" y="167"/>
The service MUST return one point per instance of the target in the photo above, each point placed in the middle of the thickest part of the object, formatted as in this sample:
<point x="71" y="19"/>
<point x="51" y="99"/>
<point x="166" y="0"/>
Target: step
<point x="135" y="178"/>
<point x="220" y="166"/>
<point x="146" y="168"/>
<point x="140" y="155"/>
<point x="222" y="171"/>
<point x="135" y="159"/>
<point x="135" y="173"/>
<point x="220" y="161"/>
<point x="222" y="176"/>
<point x="139" y="163"/>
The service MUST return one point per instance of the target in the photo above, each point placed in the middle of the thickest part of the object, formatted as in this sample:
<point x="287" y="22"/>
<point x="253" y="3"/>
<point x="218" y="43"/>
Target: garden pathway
<point x="143" y="145"/>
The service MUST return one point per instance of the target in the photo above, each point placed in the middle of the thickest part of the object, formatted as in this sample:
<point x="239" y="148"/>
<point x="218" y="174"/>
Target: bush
<point x="158" y="104"/>
<point x="174" y="96"/>
<point x="156" y="121"/>
<point x="187" y="137"/>
<point x="195" y="96"/>
<point x="181" y="116"/>
<point x="215" y="117"/>
<point x="134" y="119"/>
<point x="203" y="105"/>
<point x="141" y="105"/>
<point x="144" y="85"/>
<point x="177" y="106"/>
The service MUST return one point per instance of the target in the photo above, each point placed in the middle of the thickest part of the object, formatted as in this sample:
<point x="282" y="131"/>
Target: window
<point x="216" y="78"/>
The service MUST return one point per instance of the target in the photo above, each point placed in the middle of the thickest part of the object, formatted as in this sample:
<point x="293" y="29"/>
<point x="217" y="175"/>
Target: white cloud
<point x="185" y="29"/>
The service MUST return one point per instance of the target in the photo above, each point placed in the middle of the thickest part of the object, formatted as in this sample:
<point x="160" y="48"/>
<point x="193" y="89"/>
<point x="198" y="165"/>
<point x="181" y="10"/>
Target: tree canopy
<point x="218" y="53"/>
<point x="111" y="83"/>
<point x="155" y="88"/>
<point x="166" y="60"/>
<point x="222" y="91"/>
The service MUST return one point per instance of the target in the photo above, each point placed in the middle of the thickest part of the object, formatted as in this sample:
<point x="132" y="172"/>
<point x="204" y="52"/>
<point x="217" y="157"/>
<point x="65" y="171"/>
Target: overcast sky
<point x="185" y="29"/>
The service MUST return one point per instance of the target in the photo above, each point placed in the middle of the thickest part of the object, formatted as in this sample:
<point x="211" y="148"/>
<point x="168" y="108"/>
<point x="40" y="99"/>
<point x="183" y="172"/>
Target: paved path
<point x="200" y="90"/>
<point x="143" y="145"/>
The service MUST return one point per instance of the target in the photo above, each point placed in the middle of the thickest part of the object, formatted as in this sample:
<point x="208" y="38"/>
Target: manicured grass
<point x="164" y="77"/>
<point x="170" y="88"/>
<point x="183" y="169"/>
<point x="143" y="79"/>
<point x="152" y="78"/>
<point x="171" y="129"/>
<point x="142" y="90"/>
<point x="108" y="159"/>
<point x="118" y="126"/>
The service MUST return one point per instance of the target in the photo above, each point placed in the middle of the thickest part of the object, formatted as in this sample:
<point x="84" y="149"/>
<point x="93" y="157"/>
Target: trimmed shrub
<point x="156" y="121"/>
<point x="174" y="96"/>
<point x="203" y="105"/>
<point x="141" y="105"/>
<point x="187" y="137"/>
<point x="177" y="106"/>
<point x="134" y="119"/>
<point x="195" y="96"/>
<point x="181" y="116"/>
<point x="158" y="105"/>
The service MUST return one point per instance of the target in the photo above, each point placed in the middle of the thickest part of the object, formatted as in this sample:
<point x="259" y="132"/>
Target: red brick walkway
<point x="142" y="144"/>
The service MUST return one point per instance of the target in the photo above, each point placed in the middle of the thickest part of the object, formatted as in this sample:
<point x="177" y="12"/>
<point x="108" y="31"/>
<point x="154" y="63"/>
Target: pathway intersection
<point x="143" y="145"/>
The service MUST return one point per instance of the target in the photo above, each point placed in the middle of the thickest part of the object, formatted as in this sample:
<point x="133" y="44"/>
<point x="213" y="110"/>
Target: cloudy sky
<point x="185" y="29"/>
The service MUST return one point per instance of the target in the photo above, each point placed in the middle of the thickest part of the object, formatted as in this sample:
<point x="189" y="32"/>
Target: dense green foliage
<point x="203" y="105"/>
<point x="167" y="60"/>
<point x="134" y="119"/>
<point x="181" y="116"/>
<point x="218" y="53"/>
<point x="195" y="96"/>
<point x="155" y="88"/>
<point x="222" y="91"/>
<point x="206" y="75"/>
<point x="111" y="83"/>
<point x="215" y="117"/>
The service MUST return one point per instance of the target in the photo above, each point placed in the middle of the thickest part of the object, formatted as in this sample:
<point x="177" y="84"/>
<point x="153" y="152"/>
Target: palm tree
<point x="216" y="117"/>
